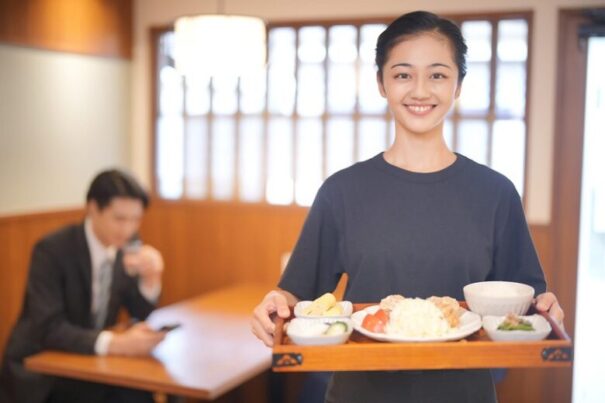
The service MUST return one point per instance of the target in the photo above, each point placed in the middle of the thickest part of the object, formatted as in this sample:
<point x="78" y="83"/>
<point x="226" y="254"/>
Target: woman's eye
<point x="438" y="76"/>
<point x="402" y="75"/>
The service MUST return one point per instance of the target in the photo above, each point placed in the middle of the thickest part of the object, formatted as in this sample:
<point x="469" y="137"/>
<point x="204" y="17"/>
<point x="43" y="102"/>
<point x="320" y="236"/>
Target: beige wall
<point x="149" y="13"/>
<point x="62" y="118"/>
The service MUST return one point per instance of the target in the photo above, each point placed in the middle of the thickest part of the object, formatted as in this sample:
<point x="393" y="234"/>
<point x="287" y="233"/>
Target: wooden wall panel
<point x="209" y="245"/>
<point x="17" y="238"/>
<point x="95" y="27"/>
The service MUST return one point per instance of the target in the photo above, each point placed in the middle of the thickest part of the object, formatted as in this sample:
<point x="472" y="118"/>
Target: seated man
<point x="79" y="278"/>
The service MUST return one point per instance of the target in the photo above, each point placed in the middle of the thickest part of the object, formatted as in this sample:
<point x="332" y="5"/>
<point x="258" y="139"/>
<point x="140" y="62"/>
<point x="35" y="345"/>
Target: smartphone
<point x="170" y="327"/>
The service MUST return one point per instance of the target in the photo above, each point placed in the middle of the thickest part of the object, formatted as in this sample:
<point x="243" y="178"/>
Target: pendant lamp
<point x="221" y="44"/>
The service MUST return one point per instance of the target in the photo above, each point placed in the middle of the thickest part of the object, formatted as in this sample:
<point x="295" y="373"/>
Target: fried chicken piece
<point x="388" y="303"/>
<point x="450" y="308"/>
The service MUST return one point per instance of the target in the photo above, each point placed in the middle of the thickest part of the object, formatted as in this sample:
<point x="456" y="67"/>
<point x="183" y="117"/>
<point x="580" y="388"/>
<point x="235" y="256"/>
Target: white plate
<point x="470" y="322"/>
<point x="309" y="331"/>
<point x="347" y="308"/>
<point x="541" y="329"/>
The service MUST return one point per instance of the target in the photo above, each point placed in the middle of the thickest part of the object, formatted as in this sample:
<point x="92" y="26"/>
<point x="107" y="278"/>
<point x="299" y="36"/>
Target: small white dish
<point x="541" y="329"/>
<point x="310" y="332"/>
<point x="347" y="310"/>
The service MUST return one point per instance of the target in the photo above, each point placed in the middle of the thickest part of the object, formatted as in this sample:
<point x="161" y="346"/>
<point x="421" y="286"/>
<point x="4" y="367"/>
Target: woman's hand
<point x="548" y="302"/>
<point x="277" y="301"/>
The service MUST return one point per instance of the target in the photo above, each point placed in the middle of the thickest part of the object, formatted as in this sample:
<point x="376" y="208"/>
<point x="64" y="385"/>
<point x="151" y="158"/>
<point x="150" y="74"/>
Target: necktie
<point x="104" y="293"/>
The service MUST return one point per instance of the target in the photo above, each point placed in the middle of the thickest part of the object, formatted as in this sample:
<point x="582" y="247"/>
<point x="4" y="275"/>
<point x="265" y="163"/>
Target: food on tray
<point x="325" y="305"/>
<point x="514" y="322"/>
<point x="414" y="317"/>
<point x="376" y="322"/>
<point x="388" y="303"/>
<point x="450" y="308"/>
<point x="336" y="328"/>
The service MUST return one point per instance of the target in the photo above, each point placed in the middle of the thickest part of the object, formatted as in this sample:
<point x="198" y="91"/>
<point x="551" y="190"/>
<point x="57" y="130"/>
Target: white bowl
<point x="347" y="309"/>
<point x="498" y="297"/>
<point x="309" y="332"/>
<point x="541" y="329"/>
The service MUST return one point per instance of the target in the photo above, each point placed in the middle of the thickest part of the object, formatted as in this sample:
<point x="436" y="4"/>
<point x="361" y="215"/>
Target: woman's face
<point x="420" y="83"/>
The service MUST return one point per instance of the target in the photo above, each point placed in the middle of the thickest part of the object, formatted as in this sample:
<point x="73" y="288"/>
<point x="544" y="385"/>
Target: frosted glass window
<point x="311" y="44"/>
<point x="282" y="89"/>
<point x="475" y="89"/>
<point x="339" y="144"/>
<point x="508" y="150"/>
<point x="311" y="96"/>
<point x="512" y="40"/>
<point x="371" y="138"/>
<point x="309" y="160"/>
<point x="472" y="140"/>
<point x="171" y="91"/>
<point x="282" y="62"/>
<point x="170" y="156"/>
<point x="223" y="158"/>
<point x="319" y="90"/>
<point x="341" y="88"/>
<point x="282" y="45"/>
<point x="252" y="92"/>
<point x="370" y="100"/>
<point x="198" y="95"/>
<point x="343" y="44"/>
<point x="478" y="36"/>
<point x="196" y="161"/>
<point x="367" y="46"/>
<point x="510" y="89"/>
<point x="251" y="159"/>
<point x="280" y="182"/>
<point x="224" y="101"/>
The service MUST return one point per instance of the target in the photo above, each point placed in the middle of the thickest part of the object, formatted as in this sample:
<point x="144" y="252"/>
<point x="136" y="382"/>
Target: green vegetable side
<point x="514" y="322"/>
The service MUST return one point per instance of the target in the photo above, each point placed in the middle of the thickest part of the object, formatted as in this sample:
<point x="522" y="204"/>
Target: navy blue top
<point x="418" y="234"/>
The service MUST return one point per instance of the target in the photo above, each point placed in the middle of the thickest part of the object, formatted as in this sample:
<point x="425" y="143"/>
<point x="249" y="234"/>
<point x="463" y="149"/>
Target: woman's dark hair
<point x="115" y="183"/>
<point x="415" y="23"/>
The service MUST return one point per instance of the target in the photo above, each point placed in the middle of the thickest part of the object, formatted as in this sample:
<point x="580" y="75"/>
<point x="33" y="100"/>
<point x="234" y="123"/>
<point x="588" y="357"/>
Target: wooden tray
<point x="475" y="351"/>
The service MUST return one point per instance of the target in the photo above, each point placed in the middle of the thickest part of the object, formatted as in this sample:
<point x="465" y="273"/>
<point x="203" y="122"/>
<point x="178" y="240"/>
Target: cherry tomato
<point x="373" y="324"/>
<point x="382" y="315"/>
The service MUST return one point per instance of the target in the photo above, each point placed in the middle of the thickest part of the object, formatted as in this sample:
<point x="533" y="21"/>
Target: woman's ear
<point x="380" y="84"/>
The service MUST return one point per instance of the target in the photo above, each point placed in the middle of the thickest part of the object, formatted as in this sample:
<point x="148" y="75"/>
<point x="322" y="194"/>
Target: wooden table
<point x="212" y="352"/>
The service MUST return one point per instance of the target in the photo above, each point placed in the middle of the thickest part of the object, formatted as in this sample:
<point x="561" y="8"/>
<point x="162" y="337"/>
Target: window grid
<point x="357" y="116"/>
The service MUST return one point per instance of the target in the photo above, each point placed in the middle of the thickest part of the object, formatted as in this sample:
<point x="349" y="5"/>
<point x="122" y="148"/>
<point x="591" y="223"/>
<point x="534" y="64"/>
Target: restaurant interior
<point x="232" y="162"/>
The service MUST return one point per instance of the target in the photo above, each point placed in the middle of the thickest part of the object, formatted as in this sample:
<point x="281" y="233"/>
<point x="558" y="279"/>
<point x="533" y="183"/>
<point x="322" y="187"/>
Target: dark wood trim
<point x="528" y="66"/>
<point x="154" y="37"/>
<point x="385" y="19"/>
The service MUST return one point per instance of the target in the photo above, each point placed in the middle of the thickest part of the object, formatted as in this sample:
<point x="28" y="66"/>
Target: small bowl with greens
<point x="516" y="328"/>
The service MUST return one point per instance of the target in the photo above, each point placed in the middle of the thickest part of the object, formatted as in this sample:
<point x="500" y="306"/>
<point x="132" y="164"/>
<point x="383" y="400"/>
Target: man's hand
<point x="274" y="302"/>
<point x="548" y="302"/>
<point x="138" y="340"/>
<point x="147" y="263"/>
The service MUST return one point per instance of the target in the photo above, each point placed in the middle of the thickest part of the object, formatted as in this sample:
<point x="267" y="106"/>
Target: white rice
<point x="416" y="317"/>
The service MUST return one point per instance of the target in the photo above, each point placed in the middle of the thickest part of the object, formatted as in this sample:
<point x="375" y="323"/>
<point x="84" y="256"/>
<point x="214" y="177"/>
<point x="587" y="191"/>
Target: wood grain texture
<point x="94" y="27"/>
<point x="211" y="353"/>
<point x="211" y="245"/>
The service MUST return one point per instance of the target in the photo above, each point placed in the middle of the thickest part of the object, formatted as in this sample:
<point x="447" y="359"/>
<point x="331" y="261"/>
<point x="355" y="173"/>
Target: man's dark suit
<point x="56" y="312"/>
